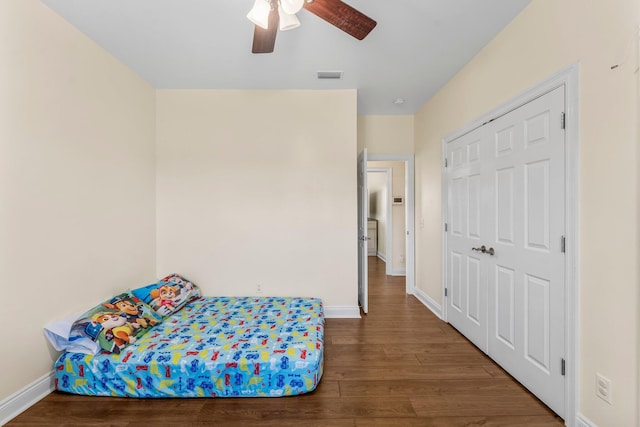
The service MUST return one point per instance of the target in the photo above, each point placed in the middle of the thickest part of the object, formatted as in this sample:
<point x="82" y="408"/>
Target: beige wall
<point x="385" y="134"/>
<point x="76" y="181"/>
<point x="548" y="36"/>
<point x="399" y="237"/>
<point x="253" y="188"/>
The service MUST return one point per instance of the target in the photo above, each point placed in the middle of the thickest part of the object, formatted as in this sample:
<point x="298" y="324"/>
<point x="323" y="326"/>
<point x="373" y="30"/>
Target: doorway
<point x="380" y="218"/>
<point x="408" y="229"/>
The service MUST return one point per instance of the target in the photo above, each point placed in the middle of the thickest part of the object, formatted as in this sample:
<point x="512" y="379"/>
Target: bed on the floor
<point x="209" y="347"/>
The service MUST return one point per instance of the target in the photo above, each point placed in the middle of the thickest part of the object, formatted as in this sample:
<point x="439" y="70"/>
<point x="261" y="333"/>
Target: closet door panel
<point x="527" y="291"/>
<point x="505" y="184"/>
<point x="467" y="273"/>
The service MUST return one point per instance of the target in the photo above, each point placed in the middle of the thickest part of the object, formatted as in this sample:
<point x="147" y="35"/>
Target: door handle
<point x="484" y="250"/>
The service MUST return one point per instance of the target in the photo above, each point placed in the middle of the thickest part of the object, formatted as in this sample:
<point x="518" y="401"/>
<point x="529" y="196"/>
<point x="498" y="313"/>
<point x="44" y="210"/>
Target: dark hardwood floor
<point x="397" y="366"/>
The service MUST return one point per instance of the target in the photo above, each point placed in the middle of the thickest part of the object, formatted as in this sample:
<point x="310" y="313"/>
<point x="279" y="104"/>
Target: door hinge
<point x="446" y="292"/>
<point x="446" y="163"/>
<point x="563" y="244"/>
<point x="563" y="367"/>
<point x="563" y="121"/>
<point x="446" y="227"/>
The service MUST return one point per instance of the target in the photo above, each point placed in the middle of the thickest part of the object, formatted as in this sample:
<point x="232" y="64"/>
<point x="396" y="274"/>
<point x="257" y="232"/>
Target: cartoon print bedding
<point x="212" y="347"/>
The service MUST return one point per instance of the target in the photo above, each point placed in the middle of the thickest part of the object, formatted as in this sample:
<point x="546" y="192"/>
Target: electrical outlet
<point x="603" y="388"/>
<point x="259" y="288"/>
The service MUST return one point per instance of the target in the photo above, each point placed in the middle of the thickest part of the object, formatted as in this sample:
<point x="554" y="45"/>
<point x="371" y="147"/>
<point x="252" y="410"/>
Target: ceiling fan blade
<point x="342" y="16"/>
<point x="265" y="40"/>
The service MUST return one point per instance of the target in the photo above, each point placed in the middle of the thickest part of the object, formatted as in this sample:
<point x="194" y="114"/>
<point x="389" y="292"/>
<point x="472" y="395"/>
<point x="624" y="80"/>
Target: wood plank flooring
<point x="397" y="366"/>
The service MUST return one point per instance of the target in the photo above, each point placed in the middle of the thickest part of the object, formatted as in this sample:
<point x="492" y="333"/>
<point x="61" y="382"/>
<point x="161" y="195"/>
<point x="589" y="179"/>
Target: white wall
<point x="546" y="37"/>
<point x="76" y="181"/>
<point x="259" y="187"/>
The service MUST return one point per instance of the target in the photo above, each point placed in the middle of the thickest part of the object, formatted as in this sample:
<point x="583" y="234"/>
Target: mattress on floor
<point x="213" y="347"/>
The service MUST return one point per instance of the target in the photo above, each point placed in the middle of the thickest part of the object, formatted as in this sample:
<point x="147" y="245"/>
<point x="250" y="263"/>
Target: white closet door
<point x="505" y="183"/>
<point x="467" y="273"/>
<point x="526" y="274"/>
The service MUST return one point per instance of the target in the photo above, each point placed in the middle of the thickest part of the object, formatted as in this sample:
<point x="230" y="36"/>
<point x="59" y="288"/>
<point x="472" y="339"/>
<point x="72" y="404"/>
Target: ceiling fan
<point x="269" y="15"/>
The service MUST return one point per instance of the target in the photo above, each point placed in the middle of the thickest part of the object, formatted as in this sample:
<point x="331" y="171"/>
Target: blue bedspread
<point x="213" y="347"/>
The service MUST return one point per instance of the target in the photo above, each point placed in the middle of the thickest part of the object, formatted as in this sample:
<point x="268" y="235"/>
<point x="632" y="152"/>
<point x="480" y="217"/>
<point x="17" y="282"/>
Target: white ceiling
<point x="417" y="46"/>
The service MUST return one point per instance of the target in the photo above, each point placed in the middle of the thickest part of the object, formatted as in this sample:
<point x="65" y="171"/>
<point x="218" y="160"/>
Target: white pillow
<point x="58" y="335"/>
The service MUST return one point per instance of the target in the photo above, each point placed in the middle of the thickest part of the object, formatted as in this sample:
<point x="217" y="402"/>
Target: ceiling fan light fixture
<point x="259" y="13"/>
<point x="287" y="21"/>
<point x="291" y="7"/>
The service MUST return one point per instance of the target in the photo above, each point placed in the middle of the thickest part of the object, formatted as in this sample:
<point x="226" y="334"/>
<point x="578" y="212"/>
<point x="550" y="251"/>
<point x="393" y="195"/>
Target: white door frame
<point x="568" y="78"/>
<point x="409" y="191"/>
<point x="389" y="215"/>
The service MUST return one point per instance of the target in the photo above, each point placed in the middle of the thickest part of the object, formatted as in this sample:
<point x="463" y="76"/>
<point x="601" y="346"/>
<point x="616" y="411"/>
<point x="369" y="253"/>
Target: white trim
<point x="444" y="203"/>
<point x="398" y="272"/>
<point x="570" y="78"/>
<point x="567" y="77"/>
<point x="382" y="257"/>
<point x="342" y="312"/>
<point x="429" y="302"/>
<point x="388" y="244"/>
<point x="409" y="191"/>
<point x="582" y="421"/>
<point x="23" y="399"/>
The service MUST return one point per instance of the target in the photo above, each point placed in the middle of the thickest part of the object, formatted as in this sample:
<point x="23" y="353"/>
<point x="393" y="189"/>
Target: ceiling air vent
<point x="329" y="75"/>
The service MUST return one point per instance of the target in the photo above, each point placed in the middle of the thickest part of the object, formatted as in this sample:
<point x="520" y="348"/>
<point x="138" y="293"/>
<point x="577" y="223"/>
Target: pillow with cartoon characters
<point x="169" y="294"/>
<point x="115" y="323"/>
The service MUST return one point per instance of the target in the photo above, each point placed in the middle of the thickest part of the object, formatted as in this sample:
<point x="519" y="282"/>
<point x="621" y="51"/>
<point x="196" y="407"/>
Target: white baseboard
<point x="342" y="312"/>
<point x="399" y="272"/>
<point x="428" y="302"/>
<point x="23" y="399"/>
<point x="381" y="256"/>
<point x="582" y="421"/>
